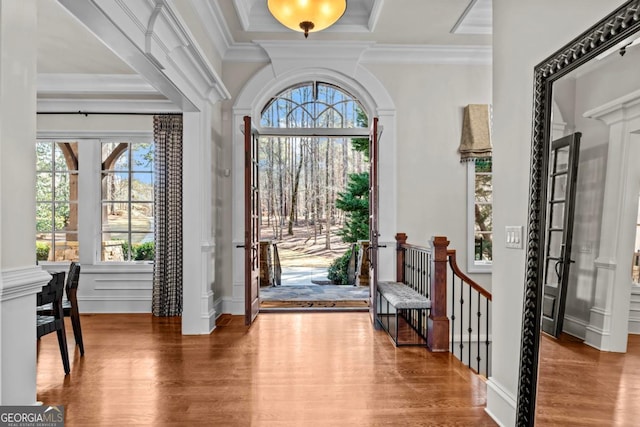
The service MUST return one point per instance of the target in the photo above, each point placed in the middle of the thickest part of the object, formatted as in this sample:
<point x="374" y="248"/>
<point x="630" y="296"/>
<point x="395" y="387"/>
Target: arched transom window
<point x="313" y="105"/>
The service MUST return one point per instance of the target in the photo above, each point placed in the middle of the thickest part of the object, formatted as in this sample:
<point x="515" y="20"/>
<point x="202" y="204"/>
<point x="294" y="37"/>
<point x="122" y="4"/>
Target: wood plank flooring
<point x="288" y="369"/>
<point x="581" y="386"/>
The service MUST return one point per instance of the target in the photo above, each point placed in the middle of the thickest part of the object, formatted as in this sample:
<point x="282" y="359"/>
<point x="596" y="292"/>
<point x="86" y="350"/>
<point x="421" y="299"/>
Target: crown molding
<point x="428" y="54"/>
<point x="105" y="84"/>
<point x="288" y="55"/>
<point x="97" y="106"/>
<point x="372" y="54"/>
<point x="246" y="52"/>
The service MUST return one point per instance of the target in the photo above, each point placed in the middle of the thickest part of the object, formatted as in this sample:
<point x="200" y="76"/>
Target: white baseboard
<point x="114" y="304"/>
<point x="218" y="306"/>
<point x="574" y="326"/>
<point x="501" y="405"/>
<point x="634" y="325"/>
<point x="231" y="305"/>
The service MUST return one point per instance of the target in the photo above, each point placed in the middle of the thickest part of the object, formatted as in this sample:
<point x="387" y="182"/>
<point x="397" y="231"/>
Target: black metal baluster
<point x="478" y="358"/>
<point x="470" y="329"/>
<point x="453" y="313"/>
<point x="486" y="362"/>
<point x="461" y="320"/>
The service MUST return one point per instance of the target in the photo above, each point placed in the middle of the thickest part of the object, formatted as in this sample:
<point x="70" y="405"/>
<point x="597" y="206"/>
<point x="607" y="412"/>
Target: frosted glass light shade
<point x="299" y="14"/>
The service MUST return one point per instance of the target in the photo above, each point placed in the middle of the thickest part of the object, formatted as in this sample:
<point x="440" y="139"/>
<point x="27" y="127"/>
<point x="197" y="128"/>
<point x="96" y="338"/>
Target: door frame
<point x="363" y="85"/>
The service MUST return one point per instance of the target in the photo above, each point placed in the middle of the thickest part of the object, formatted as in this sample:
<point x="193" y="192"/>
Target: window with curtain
<point x="480" y="215"/>
<point x="127" y="201"/>
<point x="57" y="201"/>
<point x="476" y="150"/>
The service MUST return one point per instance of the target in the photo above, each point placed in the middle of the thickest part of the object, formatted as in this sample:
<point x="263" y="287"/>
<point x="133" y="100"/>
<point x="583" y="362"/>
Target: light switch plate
<point x="513" y="236"/>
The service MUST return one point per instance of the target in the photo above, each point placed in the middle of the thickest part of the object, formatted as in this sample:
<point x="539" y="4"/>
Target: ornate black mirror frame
<point x="602" y="36"/>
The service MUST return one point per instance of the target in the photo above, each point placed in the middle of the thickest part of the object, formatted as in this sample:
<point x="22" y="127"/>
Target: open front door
<point x="563" y="173"/>
<point x="373" y="218"/>
<point x="251" y="225"/>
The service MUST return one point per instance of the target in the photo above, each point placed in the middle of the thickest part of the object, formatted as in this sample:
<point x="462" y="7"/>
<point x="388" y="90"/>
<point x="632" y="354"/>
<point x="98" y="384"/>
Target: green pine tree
<point x="355" y="203"/>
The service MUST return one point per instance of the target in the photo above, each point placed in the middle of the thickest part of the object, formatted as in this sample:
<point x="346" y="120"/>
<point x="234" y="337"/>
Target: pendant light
<point x="307" y="15"/>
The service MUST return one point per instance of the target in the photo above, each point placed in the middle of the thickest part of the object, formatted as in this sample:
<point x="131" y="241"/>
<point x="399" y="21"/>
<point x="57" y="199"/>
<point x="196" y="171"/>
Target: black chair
<point x="52" y="294"/>
<point x="70" y="304"/>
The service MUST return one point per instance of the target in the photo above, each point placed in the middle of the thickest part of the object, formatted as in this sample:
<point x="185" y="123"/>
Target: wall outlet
<point x="513" y="236"/>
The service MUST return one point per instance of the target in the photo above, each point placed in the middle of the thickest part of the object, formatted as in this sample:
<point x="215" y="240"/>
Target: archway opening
<point x="314" y="208"/>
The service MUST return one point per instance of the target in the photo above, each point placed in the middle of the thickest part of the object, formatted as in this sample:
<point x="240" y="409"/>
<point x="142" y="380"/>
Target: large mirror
<point x="583" y="201"/>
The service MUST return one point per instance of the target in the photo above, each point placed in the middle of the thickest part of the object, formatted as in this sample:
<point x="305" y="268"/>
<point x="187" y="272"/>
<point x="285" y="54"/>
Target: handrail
<point x="451" y="254"/>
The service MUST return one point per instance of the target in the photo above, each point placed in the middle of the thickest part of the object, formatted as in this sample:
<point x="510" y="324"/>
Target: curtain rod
<point x="86" y="113"/>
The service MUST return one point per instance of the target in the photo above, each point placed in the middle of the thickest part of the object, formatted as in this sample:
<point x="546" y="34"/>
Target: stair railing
<point x="470" y="320"/>
<point x="459" y="318"/>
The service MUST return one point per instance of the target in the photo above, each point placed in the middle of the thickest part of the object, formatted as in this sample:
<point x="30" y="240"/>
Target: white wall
<point x="429" y="122"/>
<point x="432" y="183"/>
<point x="524" y="34"/>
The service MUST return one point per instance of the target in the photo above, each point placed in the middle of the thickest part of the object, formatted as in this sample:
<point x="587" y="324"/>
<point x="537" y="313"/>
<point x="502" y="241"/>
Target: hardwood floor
<point x="581" y="386"/>
<point x="288" y="369"/>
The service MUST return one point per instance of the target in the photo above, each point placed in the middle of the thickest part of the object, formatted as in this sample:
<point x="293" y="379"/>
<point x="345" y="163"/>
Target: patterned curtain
<point x="167" y="270"/>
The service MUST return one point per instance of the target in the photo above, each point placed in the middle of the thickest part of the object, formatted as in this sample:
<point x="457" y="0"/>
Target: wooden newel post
<point x="438" y="335"/>
<point x="401" y="239"/>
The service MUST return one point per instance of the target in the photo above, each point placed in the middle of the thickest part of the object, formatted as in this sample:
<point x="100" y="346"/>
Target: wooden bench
<point x="396" y="303"/>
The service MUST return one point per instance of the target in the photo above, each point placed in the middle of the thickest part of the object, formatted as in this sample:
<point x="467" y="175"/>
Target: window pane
<point x="557" y="216"/>
<point x="484" y="165"/>
<point x="115" y="186"/>
<point x="142" y="186"/>
<point x="115" y="247"/>
<point x="44" y="186"/>
<point x="66" y="247"/>
<point x="555" y="243"/>
<point x="484" y="191"/>
<point x="142" y="217"/>
<point x="115" y="217"/>
<point x="62" y="215"/>
<point x="43" y="156"/>
<point x="483" y="247"/>
<point x="62" y="186"/>
<point x="142" y="157"/>
<point x="484" y="220"/>
<point x="43" y="247"/>
<point x="560" y="187"/>
<point x="115" y="156"/>
<point x="561" y="159"/>
<point x="44" y="217"/>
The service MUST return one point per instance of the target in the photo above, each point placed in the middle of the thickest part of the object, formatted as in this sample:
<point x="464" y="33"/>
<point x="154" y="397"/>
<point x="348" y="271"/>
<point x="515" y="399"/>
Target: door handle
<point x="239" y="246"/>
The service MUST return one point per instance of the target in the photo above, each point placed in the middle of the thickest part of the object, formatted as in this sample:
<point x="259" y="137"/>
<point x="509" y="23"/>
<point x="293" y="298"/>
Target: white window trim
<point x="89" y="196"/>
<point x="473" y="266"/>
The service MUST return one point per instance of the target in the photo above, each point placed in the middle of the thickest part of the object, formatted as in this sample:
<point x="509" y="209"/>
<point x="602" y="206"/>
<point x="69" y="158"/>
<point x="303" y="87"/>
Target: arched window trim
<point x="309" y="110"/>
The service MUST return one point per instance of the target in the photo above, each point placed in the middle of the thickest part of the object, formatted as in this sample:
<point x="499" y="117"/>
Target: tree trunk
<point x="294" y="196"/>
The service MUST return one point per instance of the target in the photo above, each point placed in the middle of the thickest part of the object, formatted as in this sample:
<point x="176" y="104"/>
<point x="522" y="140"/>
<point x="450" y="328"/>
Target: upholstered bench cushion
<point x="402" y="296"/>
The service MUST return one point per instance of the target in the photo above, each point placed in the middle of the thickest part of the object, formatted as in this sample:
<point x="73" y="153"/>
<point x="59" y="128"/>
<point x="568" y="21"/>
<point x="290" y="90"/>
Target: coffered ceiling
<point x="66" y="48"/>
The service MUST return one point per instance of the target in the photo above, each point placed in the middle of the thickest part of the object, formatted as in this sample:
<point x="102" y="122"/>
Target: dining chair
<point x="52" y="294"/>
<point x="70" y="304"/>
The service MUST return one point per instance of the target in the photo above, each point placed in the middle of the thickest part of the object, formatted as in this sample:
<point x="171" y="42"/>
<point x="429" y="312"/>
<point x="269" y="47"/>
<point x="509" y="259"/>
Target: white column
<point x="20" y="278"/>
<point x="198" y="314"/>
<point x="608" y="321"/>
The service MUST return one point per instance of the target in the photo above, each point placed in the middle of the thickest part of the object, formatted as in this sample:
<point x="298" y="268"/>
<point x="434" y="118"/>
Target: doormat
<point x="314" y="304"/>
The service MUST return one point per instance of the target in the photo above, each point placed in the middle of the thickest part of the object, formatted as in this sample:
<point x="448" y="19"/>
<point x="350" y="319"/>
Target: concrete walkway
<point x="297" y="285"/>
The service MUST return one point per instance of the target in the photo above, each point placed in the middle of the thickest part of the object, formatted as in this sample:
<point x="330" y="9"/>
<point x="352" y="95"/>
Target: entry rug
<point x="314" y="293"/>
<point x="315" y="304"/>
